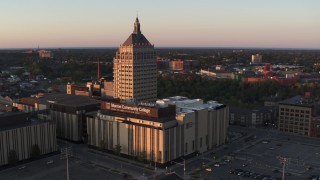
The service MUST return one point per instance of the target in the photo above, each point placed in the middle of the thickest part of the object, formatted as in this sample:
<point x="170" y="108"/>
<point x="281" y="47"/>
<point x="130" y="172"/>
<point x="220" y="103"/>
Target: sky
<point x="165" y="23"/>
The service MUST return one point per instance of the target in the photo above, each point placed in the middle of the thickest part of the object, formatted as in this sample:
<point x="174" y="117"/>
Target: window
<point x="201" y="142"/>
<point x="193" y="145"/>
<point x="189" y="125"/>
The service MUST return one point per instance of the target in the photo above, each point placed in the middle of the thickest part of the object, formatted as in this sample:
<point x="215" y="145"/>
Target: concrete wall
<point x="22" y="139"/>
<point x="69" y="126"/>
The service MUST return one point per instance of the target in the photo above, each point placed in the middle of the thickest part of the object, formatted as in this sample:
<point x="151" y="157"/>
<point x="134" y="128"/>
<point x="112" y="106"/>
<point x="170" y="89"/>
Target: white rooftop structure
<point x="185" y="105"/>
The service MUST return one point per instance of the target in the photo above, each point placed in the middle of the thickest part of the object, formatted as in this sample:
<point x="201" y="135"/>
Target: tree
<point x="142" y="156"/>
<point x="13" y="157"/>
<point x="117" y="149"/>
<point x="35" y="151"/>
<point x="103" y="144"/>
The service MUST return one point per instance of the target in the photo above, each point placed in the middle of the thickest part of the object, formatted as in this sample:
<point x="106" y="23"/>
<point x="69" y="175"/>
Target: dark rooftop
<point x="137" y="40"/>
<point x="68" y="100"/>
<point x="299" y="101"/>
<point x="30" y="122"/>
<point x="12" y="120"/>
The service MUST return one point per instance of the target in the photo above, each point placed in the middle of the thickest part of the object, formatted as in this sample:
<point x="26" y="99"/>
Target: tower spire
<point x="137" y="26"/>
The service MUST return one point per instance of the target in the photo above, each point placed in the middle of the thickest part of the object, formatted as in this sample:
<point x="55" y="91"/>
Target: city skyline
<point x="272" y="24"/>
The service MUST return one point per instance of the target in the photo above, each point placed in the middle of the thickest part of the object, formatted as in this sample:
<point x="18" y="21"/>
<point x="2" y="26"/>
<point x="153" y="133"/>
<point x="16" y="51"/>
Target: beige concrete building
<point x="135" y="69"/>
<point x="45" y="54"/>
<point x="156" y="131"/>
<point x="68" y="111"/>
<point x="19" y="132"/>
<point x="69" y="114"/>
<point x="297" y="116"/>
<point x="78" y="90"/>
<point x="256" y="58"/>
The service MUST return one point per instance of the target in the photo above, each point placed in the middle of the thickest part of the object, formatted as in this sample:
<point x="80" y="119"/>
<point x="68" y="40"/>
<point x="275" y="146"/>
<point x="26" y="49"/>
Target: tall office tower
<point x="135" y="69"/>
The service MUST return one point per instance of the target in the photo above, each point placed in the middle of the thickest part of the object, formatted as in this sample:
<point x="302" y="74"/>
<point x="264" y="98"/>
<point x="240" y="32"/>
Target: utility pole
<point x="65" y="154"/>
<point x="284" y="161"/>
<point x="184" y="167"/>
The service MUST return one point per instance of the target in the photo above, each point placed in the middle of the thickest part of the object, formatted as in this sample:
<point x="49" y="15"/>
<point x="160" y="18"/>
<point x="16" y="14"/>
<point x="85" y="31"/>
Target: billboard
<point x="125" y="108"/>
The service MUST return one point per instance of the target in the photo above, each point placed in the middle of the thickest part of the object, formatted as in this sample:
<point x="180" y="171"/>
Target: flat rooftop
<point x="13" y="120"/>
<point x="299" y="101"/>
<point x="67" y="99"/>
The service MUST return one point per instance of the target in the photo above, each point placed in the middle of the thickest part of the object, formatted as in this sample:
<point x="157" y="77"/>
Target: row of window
<point x="296" y="115"/>
<point x="295" y="110"/>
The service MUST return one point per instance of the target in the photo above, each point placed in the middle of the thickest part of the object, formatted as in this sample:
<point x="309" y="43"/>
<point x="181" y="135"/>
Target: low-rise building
<point x="68" y="111"/>
<point x="69" y="114"/>
<point x="255" y="117"/>
<point x="159" y="132"/>
<point x="20" y="134"/>
<point x="299" y="115"/>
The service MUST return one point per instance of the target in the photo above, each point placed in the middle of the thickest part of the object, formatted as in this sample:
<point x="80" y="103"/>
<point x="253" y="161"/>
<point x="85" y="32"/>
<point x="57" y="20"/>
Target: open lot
<point x="260" y="157"/>
<point x="53" y="168"/>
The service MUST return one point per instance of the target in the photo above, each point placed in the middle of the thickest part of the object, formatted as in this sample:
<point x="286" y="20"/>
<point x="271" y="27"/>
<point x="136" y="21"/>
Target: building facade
<point x="19" y="133"/>
<point x="256" y="58"/>
<point x="68" y="111"/>
<point x="256" y="117"/>
<point x="69" y="114"/>
<point x="299" y="115"/>
<point x="135" y="69"/>
<point x="158" y="133"/>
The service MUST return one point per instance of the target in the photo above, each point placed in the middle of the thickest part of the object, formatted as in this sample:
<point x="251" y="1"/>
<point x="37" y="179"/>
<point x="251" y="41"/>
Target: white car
<point x="209" y="169"/>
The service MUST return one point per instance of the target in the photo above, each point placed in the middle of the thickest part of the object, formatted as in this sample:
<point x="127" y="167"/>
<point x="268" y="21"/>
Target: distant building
<point x="156" y="131"/>
<point x="256" y="58"/>
<point x="217" y="74"/>
<point x="162" y="64"/>
<point x="27" y="104"/>
<point x="177" y="65"/>
<point x="107" y="90"/>
<point x="78" y="90"/>
<point x="19" y="132"/>
<point x="299" y="115"/>
<point x="45" y="54"/>
<point x="256" y="117"/>
<point x="135" y="69"/>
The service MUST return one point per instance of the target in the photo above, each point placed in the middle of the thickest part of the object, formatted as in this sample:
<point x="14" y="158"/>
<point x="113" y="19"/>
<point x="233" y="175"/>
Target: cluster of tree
<point x="232" y="92"/>
<point x="210" y="56"/>
<point x="13" y="156"/>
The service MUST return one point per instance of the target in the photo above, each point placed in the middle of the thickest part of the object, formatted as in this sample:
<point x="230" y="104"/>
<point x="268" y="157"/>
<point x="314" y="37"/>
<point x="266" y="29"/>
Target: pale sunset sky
<point x="165" y="23"/>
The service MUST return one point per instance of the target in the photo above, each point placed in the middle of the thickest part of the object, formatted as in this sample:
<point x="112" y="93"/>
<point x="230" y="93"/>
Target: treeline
<point x="232" y="92"/>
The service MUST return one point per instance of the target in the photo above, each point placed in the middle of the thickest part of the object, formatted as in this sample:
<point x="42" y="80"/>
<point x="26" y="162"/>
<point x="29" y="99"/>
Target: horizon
<point x="232" y="24"/>
<point x="164" y="47"/>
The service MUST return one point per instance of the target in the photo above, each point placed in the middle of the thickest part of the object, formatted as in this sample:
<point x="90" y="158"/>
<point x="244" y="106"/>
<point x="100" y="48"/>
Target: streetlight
<point x="284" y="161"/>
<point x="65" y="154"/>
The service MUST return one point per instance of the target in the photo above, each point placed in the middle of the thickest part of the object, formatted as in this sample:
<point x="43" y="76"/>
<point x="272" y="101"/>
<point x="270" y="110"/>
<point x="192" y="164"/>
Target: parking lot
<point x="259" y="158"/>
<point x="53" y="168"/>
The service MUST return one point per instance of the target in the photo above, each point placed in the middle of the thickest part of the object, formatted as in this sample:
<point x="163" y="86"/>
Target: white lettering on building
<point x="130" y="108"/>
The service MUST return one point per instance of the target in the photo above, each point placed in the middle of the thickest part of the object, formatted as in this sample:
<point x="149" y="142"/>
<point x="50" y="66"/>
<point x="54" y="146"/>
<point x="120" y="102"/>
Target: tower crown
<point x="137" y="38"/>
<point x="136" y="27"/>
